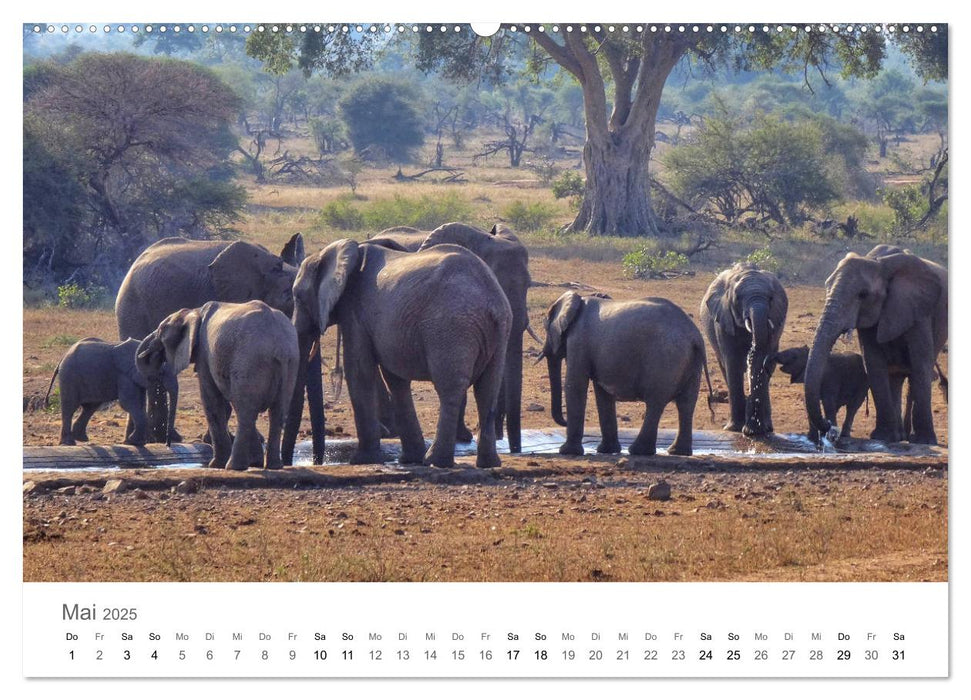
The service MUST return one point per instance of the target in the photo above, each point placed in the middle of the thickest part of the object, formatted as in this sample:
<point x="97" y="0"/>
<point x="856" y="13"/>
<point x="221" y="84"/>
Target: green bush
<point x="569" y="185"/>
<point x="530" y="216"/>
<point x="908" y="205"/>
<point x="425" y="212"/>
<point x="764" y="260"/>
<point x="74" y="296"/>
<point x="648" y="263"/>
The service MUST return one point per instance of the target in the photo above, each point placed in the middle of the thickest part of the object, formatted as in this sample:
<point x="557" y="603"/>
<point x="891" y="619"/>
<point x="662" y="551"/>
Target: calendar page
<point x="451" y="350"/>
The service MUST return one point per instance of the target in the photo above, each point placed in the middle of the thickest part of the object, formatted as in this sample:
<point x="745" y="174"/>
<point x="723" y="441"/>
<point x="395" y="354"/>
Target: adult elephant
<point x="438" y="315"/>
<point x="177" y="273"/>
<point x="508" y="259"/>
<point x="743" y="313"/>
<point x="897" y="302"/>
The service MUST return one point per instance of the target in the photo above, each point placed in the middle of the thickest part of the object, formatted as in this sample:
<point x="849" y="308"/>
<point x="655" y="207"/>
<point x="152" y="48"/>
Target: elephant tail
<point x="711" y="392"/>
<point x="50" y="386"/>
<point x="942" y="380"/>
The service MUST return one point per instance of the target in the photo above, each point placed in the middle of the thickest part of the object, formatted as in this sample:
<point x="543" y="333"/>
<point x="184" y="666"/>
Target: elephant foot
<point x="235" y="466"/>
<point x="515" y="449"/>
<point x="134" y="442"/>
<point x="885" y="434"/>
<point x="608" y="448"/>
<point x="571" y="448"/>
<point x="680" y="449"/>
<point x="366" y="457"/>
<point x="642" y="450"/>
<point x="81" y="437"/>
<point x="437" y="457"/>
<point x="216" y="464"/>
<point x="275" y="463"/>
<point x="922" y="438"/>
<point x="407" y="457"/>
<point x="69" y="441"/>
<point x="487" y="461"/>
<point x="754" y="429"/>
<point x="463" y="434"/>
<point x="174" y="436"/>
<point x="733" y="426"/>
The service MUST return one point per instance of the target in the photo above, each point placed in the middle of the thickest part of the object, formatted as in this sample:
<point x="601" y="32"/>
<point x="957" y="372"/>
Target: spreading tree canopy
<point x="622" y="72"/>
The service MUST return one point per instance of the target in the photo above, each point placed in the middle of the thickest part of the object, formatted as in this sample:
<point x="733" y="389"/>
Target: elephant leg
<point x="450" y="391"/>
<point x="409" y="429"/>
<point x="132" y="400"/>
<point x="364" y="386"/>
<point x="277" y="415"/>
<point x="576" y="407"/>
<point x="510" y="401"/>
<point x="246" y="450"/>
<point x="80" y="429"/>
<point x="68" y="409"/>
<point x="888" y="413"/>
<point x="646" y="442"/>
<point x="919" y="392"/>
<point x="685" y="403"/>
<point x="896" y="394"/>
<point x="607" y="412"/>
<point x="462" y="433"/>
<point x="500" y="411"/>
<point x="851" y="408"/>
<point x="487" y="390"/>
<point x="217" y="410"/>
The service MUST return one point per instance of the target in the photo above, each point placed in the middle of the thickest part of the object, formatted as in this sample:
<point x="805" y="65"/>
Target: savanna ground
<point x="540" y="517"/>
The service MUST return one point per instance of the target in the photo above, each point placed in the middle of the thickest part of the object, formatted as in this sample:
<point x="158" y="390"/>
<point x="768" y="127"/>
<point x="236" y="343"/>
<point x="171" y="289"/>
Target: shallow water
<point x="547" y="442"/>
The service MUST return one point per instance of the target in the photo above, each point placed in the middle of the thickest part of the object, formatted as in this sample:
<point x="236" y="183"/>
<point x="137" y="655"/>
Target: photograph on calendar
<point x="532" y="303"/>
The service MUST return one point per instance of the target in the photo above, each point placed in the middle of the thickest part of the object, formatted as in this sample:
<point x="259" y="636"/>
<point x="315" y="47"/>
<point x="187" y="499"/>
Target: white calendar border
<point x="179" y="10"/>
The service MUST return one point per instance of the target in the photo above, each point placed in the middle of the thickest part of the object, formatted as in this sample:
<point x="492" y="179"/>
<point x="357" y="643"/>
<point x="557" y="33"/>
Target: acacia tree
<point x="146" y="143"/>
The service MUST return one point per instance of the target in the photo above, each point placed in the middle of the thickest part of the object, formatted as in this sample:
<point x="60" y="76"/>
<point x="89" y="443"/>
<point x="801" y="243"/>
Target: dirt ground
<point x="587" y="519"/>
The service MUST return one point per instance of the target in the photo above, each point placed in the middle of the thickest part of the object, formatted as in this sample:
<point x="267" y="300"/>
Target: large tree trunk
<point x="617" y="195"/>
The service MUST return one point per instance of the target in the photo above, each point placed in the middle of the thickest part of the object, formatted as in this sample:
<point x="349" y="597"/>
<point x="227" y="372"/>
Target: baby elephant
<point x="844" y="383"/>
<point x="246" y="357"/>
<point x="646" y="350"/>
<point x="93" y="373"/>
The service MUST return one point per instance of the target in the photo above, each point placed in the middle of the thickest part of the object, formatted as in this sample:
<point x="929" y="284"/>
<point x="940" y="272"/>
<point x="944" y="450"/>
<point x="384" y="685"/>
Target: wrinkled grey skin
<point x="844" y="383"/>
<point x="508" y="259"/>
<point x="743" y="313"/>
<point x="245" y="356"/>
<point x="437" y="315"/>
<point x="647" y="350"/>
<point x="897" y="302"/>
<point x="176" y="273"/>
<point x="93" y="373"/>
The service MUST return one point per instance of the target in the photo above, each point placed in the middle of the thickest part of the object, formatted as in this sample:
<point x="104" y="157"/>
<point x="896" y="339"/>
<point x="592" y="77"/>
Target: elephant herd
<point x="449" y="307"/>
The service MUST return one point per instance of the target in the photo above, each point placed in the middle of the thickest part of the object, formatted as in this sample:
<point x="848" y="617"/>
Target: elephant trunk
<point x="758" y="319"/>
<point x="554" y="365"/>
<point x="826" y="335"/>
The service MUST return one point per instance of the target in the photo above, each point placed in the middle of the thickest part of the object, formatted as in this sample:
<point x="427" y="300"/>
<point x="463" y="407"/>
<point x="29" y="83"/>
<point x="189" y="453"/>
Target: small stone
<point x="622" y="463"/>
<point x="661" y="491"/>
<point x="113" y="486"/>
<point x="139" y="494"/>
<point x="532" y="463"/>
<point x="187" y="486"/>
<point x="86" y="488"/>
<point x="534" y="407"/>
<point x="68" y="490"/>
<point x="934" y="473"/>
<point x="550" y="485"/>
<point x="29" y="487"/>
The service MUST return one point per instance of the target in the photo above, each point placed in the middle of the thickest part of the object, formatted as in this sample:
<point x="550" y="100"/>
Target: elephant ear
<point x="913" y="291"/>
<point x="457" y="234"/>
<point x="179" y="334"/>
<point x="238" y="273"/>
<point x="293" y="252"/>
<point x="559" y="318"/>
<point x="338" y="262"/>
<point x="719" y="302"/>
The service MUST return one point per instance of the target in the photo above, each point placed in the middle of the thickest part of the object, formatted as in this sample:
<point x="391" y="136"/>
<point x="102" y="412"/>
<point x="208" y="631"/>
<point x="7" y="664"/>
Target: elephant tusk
<point x="529" y="329"/>
<point x="748" y="324"/>
<point x="771" y="325"/>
